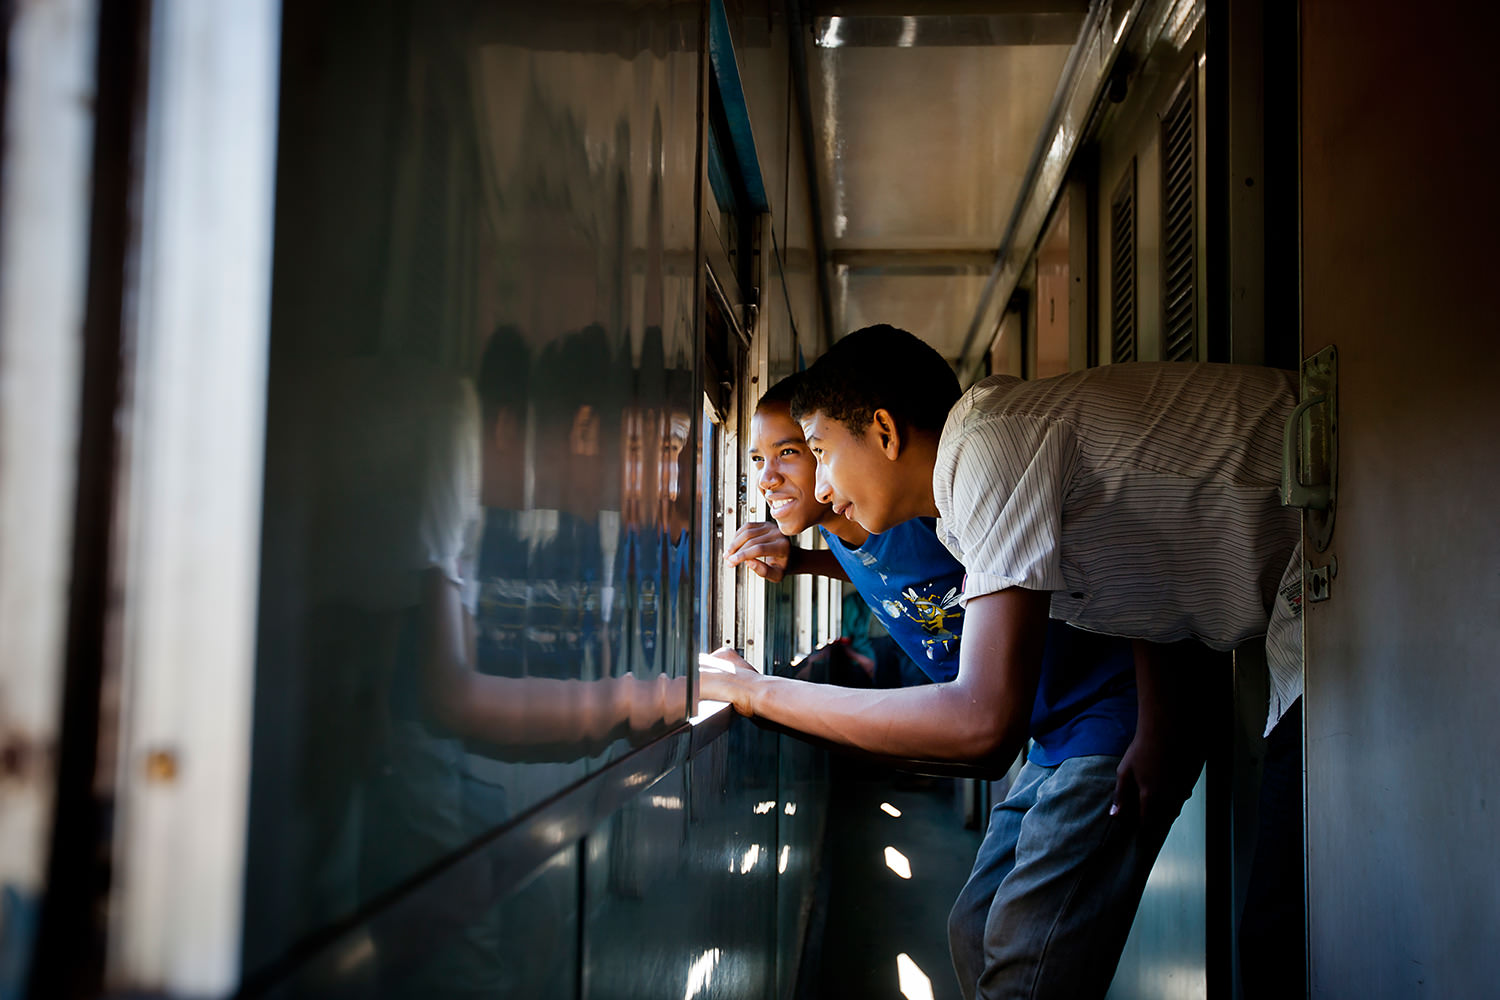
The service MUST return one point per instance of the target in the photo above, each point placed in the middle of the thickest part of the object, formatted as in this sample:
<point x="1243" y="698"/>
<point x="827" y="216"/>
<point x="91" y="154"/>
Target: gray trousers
<point x="1054" y="890"/>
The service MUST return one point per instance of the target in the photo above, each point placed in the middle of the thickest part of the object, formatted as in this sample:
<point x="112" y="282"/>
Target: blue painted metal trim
<point x="722" y="189"/>
<point x="727" y="73"/>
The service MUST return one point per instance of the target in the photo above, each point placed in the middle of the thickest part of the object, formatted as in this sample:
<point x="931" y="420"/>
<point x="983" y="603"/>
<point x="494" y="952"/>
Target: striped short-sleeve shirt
<point x="1142" y="496"/>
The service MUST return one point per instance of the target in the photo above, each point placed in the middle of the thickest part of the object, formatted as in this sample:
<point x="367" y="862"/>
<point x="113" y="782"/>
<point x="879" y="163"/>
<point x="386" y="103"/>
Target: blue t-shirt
<point x="912" y="583"/>
<point x="539" y="612"/>
<point x="1085" y="697"/>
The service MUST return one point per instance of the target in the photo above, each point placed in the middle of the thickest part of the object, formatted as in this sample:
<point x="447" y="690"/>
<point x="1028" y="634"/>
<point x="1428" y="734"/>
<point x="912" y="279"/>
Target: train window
<point x="735" y="183"/>
<point x="499" y="312"/>
<point x="730" y="208"/>
<point x="723" y="500"/>
<point x="806" y="608"/>
<point x="711" y="462"/>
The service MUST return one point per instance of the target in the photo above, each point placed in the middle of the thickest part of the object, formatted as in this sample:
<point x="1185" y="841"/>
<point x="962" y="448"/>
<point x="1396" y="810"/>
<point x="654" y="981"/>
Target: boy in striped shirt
<point x="1137" y="500"/>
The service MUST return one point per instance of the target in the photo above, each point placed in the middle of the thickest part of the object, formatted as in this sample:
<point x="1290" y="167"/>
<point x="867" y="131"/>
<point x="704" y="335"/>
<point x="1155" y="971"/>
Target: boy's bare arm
<point x="569" y="716"/>
<point x="1158" y="770"/>
<point x="982" y="715"/>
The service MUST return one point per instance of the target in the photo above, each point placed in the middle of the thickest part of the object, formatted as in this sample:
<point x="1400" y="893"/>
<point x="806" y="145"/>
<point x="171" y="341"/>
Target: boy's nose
<point x="769" y="478"/>
<point x="823" y="490"/>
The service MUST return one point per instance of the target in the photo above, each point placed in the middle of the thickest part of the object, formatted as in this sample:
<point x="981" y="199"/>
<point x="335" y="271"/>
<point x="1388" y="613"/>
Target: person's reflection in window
<point x="625" y="589"/>
<point x="643" y="561"/>
<point x="675" y="501"/>
<point x="402" y="458"/>
<point x="563" y="635"/>
<point x="388" y="471"/>
<point x="524" y="714"/>
<point x="504" y="372"/>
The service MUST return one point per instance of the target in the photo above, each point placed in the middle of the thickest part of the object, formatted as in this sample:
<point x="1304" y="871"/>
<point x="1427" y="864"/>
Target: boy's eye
<point x="789" y="451"/>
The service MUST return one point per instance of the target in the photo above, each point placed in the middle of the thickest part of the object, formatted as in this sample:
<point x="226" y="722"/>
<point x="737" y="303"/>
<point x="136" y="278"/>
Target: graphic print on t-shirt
<point x="932" y="613"/>
<point x="914" y="585"/>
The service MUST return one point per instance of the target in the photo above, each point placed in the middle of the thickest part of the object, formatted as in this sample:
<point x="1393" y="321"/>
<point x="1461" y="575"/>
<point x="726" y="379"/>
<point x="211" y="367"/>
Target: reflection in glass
<point x="477" y="530"/>
<point x="913" y="982"/>
<point x="392" y="464"/>
<point x="701" y="973"/>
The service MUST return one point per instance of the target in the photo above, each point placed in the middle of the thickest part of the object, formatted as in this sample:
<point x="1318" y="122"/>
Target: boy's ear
<point x="888" y="437"/>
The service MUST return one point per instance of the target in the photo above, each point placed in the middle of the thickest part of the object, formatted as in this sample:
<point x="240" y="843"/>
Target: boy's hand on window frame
<point x="763" y="549"/>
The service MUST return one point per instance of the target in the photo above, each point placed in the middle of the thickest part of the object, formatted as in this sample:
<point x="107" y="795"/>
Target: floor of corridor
<point x="871" y="915"/>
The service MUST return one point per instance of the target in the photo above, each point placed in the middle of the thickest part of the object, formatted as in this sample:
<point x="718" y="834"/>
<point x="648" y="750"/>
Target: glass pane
<point x="478" y="509"/>
<point x="681" y="884"/>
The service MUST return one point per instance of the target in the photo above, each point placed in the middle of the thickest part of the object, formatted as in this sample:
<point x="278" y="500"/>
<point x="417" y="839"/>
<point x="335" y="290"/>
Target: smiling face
<point x="857" y="473"/>
<point x="785" y="470"/>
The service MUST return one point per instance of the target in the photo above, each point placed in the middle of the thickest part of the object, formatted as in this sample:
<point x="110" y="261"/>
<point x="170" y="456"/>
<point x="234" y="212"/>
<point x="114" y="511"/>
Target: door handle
<point x="1294" y="492"/>
<point x="1310" y="447"/>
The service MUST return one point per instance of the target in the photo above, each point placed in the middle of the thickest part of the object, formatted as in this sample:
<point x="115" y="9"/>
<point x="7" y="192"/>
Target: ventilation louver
<point x="1179" y="202"/>
<point x="1122" y="309"/>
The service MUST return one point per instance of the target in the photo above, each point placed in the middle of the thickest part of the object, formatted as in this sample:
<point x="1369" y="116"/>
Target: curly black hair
<point x="879" y="368"/>
<point x="503" y="371"/>
<point x="782" y="392"/>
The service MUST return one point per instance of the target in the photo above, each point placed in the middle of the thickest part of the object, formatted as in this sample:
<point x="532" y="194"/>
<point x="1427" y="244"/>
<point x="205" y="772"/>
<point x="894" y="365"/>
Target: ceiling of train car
<point x="925" y="118"/>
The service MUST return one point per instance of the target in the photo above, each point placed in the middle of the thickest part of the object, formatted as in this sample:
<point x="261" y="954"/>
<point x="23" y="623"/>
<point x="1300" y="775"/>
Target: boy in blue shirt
<point x="909" y="580"/>
<point x="1055" y="886"/>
